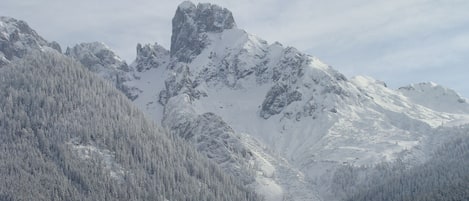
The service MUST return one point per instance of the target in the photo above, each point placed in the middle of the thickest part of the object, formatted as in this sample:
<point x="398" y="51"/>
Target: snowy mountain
<point x="229" y="90"/>
<point x="436" y="97"/>
<point x="282" y="121"/>
<point x="17" y="38"/>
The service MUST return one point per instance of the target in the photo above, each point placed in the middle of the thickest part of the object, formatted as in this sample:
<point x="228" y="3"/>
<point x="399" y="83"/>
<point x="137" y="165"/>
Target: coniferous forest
<point x="68" y="135"/>
<point x="444" y="176"/>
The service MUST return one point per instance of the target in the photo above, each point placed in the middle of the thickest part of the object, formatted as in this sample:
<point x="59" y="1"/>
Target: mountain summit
<point x="17" y="39"/>
<point x="191" y="22"/>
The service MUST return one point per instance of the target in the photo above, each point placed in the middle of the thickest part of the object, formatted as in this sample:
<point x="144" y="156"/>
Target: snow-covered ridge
<point x="17" y="39"/>
<point x="436" y="97"/>
<point x="397" y="102"/>
<point x="98" y="56"/>
<point x="100" y="59"/>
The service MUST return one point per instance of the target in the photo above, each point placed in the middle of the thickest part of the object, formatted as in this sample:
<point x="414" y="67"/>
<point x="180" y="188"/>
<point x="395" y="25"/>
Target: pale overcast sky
<point x="398" y="41"/>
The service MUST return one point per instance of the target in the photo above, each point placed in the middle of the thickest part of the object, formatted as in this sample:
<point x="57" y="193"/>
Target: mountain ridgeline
<point x="272" y="120"/>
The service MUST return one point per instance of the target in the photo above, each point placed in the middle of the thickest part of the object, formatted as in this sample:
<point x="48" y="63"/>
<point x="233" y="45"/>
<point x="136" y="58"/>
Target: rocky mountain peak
<point x="17" y="39"/>
<point x="100" y="59"/>
<point x="97" y="56"/>
<point x="150" y="56"/>
<point x="191" y="22"/>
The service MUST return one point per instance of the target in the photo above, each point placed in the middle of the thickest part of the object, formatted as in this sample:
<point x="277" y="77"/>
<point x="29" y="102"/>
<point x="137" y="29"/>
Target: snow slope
<point x="436" y="97"/>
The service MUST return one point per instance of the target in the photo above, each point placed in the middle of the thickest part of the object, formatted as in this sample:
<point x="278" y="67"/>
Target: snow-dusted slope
<point x="429" y="107"/>
<point x="436" y="97"/>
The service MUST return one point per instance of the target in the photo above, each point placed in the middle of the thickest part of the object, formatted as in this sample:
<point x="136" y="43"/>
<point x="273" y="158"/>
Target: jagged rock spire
<point x="190" y="22"/>
<point x="150" y="56"/>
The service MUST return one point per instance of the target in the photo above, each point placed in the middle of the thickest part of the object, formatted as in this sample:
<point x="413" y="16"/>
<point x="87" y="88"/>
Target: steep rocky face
<point x="180" y="81"/>
<point x="150" y="56"/>
<point x="17" y="39"/>
<point x="190" y="23"/>
<point x="212" y="136"/>
<point x="100" y="59"/>
<point x="277" y="98"/>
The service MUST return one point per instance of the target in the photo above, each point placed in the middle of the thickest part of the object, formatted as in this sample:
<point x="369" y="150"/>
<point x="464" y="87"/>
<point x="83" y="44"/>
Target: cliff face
<point x="190" y="25"/>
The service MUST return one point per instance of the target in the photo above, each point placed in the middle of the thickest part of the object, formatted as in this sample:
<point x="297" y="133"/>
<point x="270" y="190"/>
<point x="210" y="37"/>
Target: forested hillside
<point x="67" y="135"/>
<point x="444" y="176"/>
